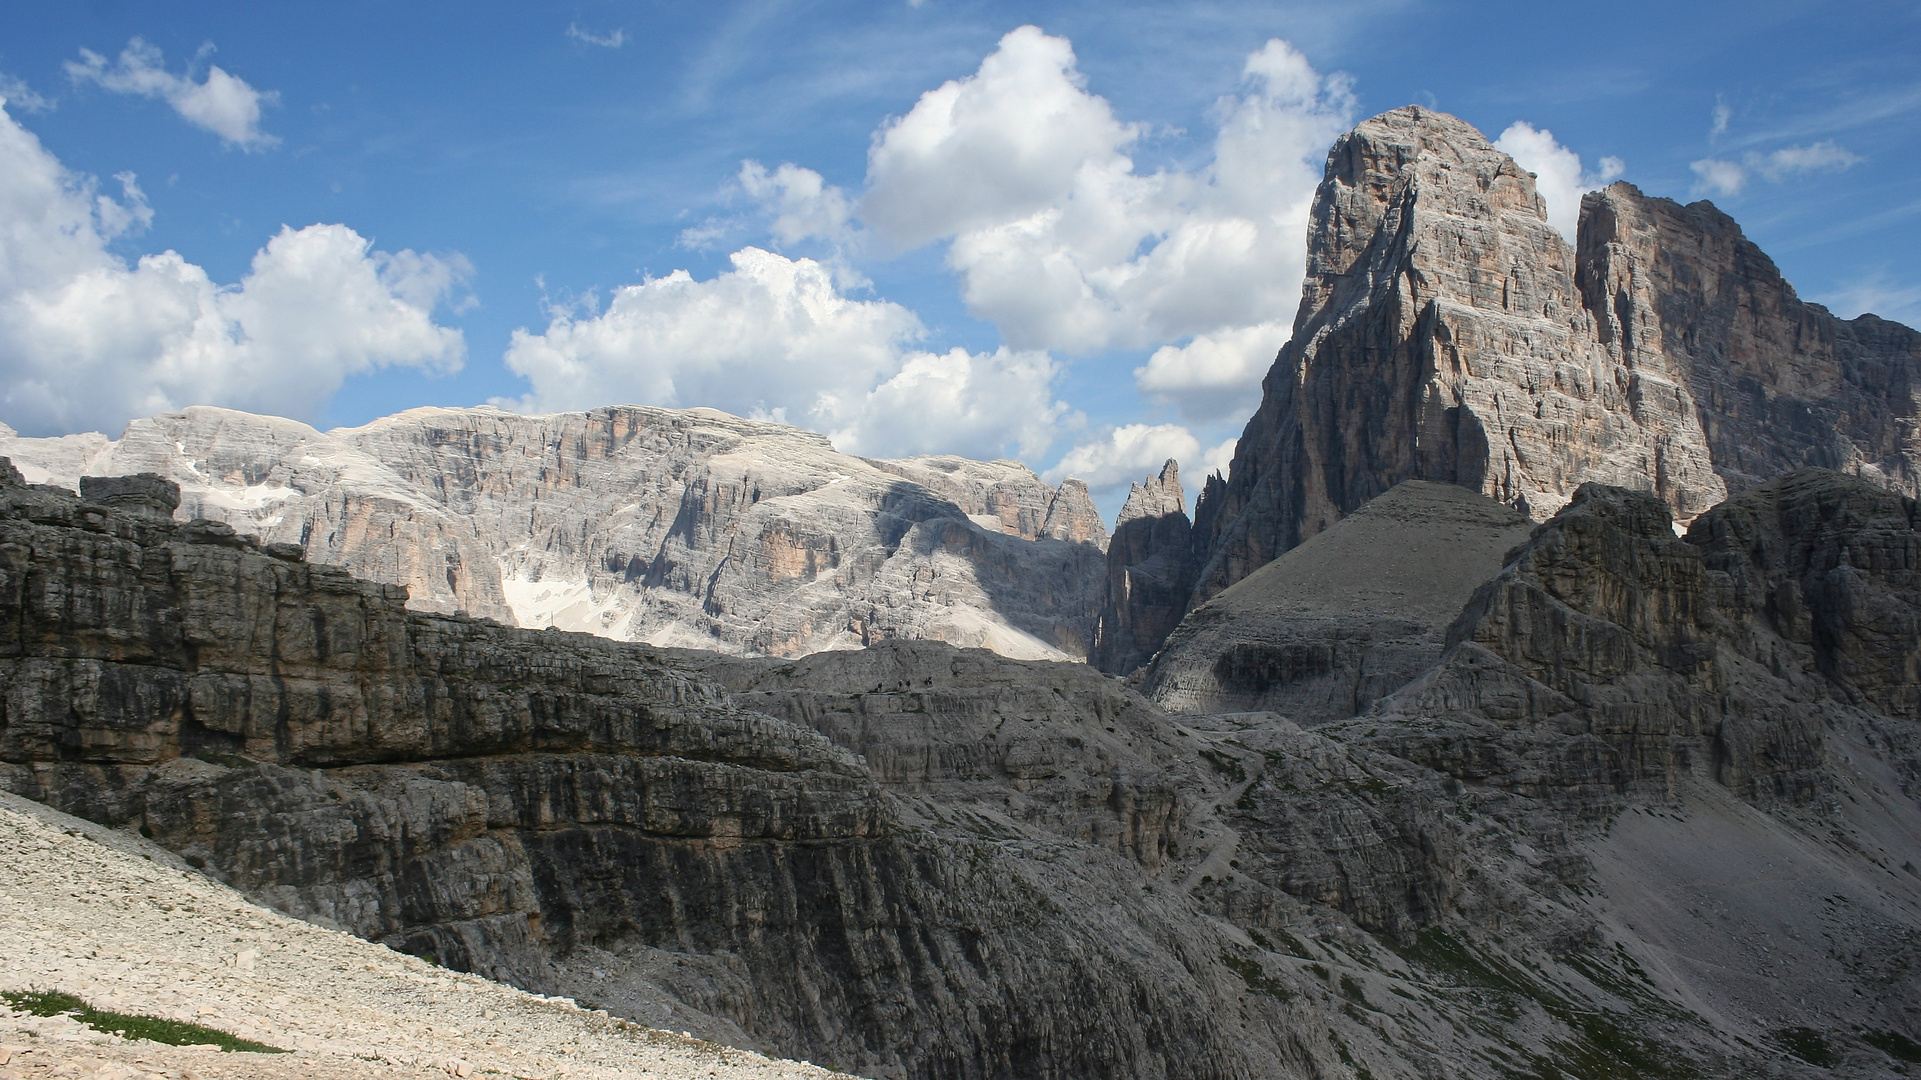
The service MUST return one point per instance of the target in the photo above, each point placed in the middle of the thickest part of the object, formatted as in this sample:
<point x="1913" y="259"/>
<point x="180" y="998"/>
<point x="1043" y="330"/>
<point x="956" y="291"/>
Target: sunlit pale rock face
<point x="1441" y="336"/>
<point x="680" y="527"/>
<point x="1448" y="333"/>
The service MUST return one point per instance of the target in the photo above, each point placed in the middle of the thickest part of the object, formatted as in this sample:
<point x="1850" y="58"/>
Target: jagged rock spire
<point x="1150" y="573"/>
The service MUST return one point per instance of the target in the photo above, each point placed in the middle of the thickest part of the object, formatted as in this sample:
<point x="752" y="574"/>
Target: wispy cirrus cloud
<point x="1728" y="178"/>
<point x="20" y="97"/>
<point x="1879" y="294"/>
<point x="587" y="37"/>
<point x="222" y="103"/>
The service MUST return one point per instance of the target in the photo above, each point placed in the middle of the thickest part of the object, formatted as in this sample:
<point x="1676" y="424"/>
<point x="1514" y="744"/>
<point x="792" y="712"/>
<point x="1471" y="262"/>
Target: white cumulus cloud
<point x="1011" y="140"/>
<point x="1062" y="242"/>
<point x="977" y="405"/>
<point x="1121" y="455"/>
<point x="1559" y="176"/>
<point x="1717" y="177"/>
<point x="1218" y="458"/>
<point x="803" y="205"/>
<point x="775" y="338"/>
<point x="221" y="102"/>
<point x="1213" y="377"/>
<point x="88" y="341"/>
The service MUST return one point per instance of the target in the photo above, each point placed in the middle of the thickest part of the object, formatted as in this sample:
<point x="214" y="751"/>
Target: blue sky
<point x="494" y="169"/>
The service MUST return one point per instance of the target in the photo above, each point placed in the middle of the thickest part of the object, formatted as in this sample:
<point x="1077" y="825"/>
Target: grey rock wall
<point x="1447" y="333"/>
<point x="1150" y="573"/>
<point x="1346" y="618"/>
<point x="919" y="861"/>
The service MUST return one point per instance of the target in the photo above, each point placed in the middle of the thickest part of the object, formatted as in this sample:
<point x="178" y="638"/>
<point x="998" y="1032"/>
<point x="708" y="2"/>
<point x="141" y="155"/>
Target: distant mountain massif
<point x="676" y="527"/>
<point x="1539" y="695"/>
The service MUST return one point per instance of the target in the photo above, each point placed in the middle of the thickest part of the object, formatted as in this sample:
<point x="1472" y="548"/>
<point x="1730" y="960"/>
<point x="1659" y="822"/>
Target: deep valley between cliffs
<point x="1538" y="696"/>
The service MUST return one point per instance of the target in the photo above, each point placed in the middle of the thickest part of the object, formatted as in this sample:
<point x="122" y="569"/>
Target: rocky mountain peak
<point x="1155" y="497"/>
<point x="1072" y="516"/>
<point x="1422" y="190"/>
<point x="1448" y="333"/>
<point x="1150" y="572"/>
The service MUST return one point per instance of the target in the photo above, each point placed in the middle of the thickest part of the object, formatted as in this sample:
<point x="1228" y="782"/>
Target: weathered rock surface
<point x="690" y="528"/>
<point x="1778" y="384"/>
<point x="1447" y="333"/>
<point x="1056" y="747"/>
<point x="1150" y="573"/>
<point x="1746" y="695"/>
<point x="571" y="815"/>
<point x="1349" y="616"/>
<point x="1441" y="336"/>
<point x="918" y="861"/>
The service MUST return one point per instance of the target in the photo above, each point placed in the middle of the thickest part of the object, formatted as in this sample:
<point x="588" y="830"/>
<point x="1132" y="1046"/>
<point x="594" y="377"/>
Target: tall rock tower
<point x="1447" y="332"/>
<point x="1441" y="336"/>
<point x="1150" y="573"/>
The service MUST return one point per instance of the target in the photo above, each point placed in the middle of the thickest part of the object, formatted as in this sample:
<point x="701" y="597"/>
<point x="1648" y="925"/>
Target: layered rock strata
<point x="1442" y="336"/>
<point x="1448" y="333"/>
<point x="574" y="815"/>
<point x="1778" y="384"/>
<point x="1346" y="618"/>
<point x="686" y="527"/>
<point x="918" y="861"/>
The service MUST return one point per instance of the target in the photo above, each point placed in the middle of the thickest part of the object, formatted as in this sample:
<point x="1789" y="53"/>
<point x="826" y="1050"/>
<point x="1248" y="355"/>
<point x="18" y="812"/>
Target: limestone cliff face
<point x="1447" y="333"/>
<point x="676" y="527"/>
<point x="1150" y="573"/>
<point x="1778" y="384"/>
<point x="1441" y="336"/>
<point x="1610" y="653"/>
<point x="1088" y="760"/>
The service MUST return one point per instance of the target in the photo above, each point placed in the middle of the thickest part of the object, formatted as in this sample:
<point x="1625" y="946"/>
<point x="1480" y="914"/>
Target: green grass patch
<point x="1604" y="1047"/>
<point x="1805" y="1043"/>
<point x="151" y="1028"/>
<point x="1227" y="765"/>
<point x="1895" y="1045"/>
<point x="1257" y="978"/>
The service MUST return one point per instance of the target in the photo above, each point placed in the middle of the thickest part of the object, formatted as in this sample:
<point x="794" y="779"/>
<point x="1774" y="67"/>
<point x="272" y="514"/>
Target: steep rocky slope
<point x="1777" y="383"/>
<point x="121" y="923"/>
<point x="920" y="861"/>
<point x="675" y="527"/>
<point x="1349" y="616"/>
<point x="1447" y="333"/>
<point x="1442" y="336"/>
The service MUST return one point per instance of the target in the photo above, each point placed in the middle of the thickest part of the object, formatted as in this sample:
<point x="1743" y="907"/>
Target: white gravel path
<point x="121" y="924"/>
